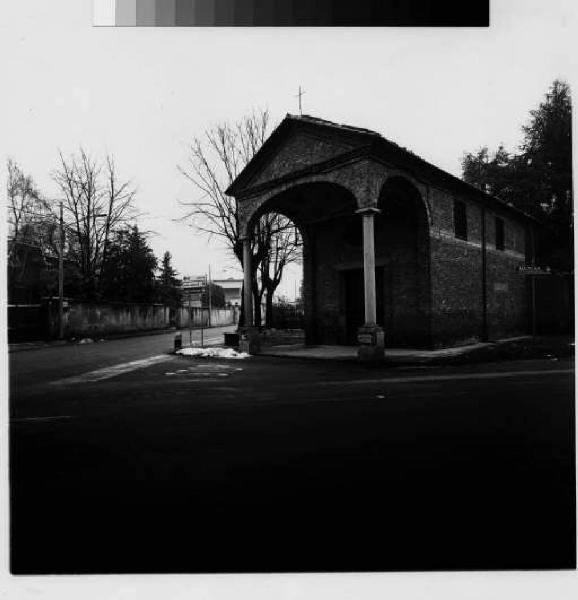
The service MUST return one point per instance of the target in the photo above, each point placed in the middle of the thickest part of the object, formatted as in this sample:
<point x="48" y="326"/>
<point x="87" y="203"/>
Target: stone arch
<point x="311" y="206"/>
<point x="303" y="202"/>
<point x="403" y="252"/>
<point x="414" y="188"/>
<point x="251" y="206"/>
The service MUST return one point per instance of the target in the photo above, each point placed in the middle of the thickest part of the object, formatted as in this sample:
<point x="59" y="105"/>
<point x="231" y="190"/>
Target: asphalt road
<point x="281" y="465"/>
<point x="30" y="368"/>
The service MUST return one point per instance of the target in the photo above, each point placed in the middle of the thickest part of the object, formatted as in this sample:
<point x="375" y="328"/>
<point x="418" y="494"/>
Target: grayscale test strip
<point x="291" y="13"/>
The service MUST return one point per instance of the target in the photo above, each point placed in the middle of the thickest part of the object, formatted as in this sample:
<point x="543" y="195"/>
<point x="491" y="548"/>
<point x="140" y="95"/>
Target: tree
<point x="97" y="204"/>
<point x="547" y="163"/>
<point x="491" y="174"/>
<point x="33" y="238"/>
<point x="214" y="162"/>
<point x="129" y="270"/>
<point x="537" y="179"/>
<point x="217" y="296"/>
<point x="169" y="289"/>
<point x="285" y="248"/>
<point x="547" y="149"/>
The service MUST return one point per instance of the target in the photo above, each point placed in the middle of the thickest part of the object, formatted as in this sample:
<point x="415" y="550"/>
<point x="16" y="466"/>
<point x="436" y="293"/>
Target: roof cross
<point x="300" y="96"/>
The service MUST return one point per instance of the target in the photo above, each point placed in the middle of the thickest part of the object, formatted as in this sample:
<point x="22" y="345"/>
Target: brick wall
<point x="457" y="308"/>
<point x="402" y="258"/>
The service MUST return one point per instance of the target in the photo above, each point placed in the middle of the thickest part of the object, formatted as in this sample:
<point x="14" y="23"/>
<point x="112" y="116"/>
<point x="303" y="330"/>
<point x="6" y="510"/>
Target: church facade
<point x="396" y="250"/>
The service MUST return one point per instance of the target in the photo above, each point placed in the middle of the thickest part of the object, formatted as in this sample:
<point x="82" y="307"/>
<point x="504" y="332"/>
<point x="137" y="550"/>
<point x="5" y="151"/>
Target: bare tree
<point x="96" y="203"/>
<point x="285" y="248"/>
<point x="214" y="162"/>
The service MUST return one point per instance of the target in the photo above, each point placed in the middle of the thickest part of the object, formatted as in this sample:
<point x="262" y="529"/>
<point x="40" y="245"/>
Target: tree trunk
<point x="256" y="306"/>
<point x="241" y="322"/>
<point x="269" y="309"/>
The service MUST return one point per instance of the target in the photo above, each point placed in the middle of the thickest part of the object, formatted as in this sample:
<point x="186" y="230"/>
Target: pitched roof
<point x="377" y="146"/>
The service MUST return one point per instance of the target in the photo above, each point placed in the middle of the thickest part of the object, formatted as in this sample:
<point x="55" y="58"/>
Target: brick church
<point x="396" y="251"/>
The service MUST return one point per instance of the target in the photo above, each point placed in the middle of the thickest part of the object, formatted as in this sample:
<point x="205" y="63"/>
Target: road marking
<point x="212" y="367"/>
<point x="114" y="371"/>
<point x="55" y="418"/>
<point x="200" y="374"/>
<point x="426" y="378"/>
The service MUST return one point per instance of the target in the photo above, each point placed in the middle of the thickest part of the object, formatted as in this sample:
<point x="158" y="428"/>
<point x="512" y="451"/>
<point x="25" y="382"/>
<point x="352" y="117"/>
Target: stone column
<point x="247" y="283"/>
<point x="370" y="336"/>
<point x="249" y="336"/>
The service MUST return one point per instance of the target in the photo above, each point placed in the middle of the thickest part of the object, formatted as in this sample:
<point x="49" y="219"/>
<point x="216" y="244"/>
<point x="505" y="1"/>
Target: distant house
<point x="233" y="289"/>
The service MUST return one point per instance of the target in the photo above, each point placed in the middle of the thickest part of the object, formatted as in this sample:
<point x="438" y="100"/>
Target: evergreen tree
<point x="129" y="274"/>
<point x="538" y="179"/>
<point x="547" y="150"/>
<point x="169" y="288"/>
<point x="217" y="296"/>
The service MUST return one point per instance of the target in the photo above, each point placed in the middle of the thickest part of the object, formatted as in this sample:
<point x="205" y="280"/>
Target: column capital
<point x="368" y="210"/>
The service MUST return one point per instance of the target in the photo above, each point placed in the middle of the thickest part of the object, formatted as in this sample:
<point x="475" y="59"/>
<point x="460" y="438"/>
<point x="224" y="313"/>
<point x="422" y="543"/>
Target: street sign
<point x="533" y="270"/>
<point x="365" y="338"/>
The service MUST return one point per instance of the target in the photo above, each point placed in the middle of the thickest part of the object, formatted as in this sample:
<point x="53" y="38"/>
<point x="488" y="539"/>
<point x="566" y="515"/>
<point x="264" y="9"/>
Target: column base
<point x="249" y="340"/>
<point x="371" y="340"/>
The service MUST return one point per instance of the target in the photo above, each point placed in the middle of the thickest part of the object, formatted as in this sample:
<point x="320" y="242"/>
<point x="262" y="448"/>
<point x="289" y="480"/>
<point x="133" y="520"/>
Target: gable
<point x="299" y="150"/>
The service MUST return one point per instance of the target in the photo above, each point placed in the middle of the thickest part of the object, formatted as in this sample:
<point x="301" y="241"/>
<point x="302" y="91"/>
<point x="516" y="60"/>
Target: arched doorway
<point x="323" y="213"/>
<point x="277" y="261"/>
<point x="402" y="265"/>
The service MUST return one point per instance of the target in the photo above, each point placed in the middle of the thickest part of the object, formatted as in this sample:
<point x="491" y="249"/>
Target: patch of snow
<point x="213" y="353"/>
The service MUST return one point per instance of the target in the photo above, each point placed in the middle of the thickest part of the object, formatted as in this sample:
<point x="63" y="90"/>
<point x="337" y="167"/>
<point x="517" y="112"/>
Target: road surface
<point x="31" y="368"/>
<point x="265" y="464"/>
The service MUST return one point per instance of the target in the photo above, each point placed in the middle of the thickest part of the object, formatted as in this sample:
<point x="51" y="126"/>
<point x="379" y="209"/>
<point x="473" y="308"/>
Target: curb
<point x="453" y="357"/>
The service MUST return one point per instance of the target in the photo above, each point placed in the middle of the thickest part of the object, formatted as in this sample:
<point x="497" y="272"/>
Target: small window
<point x="500" y="234"/>
<point x="460" y="220"/>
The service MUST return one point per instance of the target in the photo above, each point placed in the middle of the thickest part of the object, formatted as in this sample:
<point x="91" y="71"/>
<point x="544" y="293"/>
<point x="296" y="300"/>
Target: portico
<point x="378" y="246"/>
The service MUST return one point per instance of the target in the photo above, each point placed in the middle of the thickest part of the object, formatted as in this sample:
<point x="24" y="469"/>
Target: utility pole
<point x="61" y="275"/>
<point x="533" y="281"/>
<point x="190" y="324"/>
<point x="210" y="303"/>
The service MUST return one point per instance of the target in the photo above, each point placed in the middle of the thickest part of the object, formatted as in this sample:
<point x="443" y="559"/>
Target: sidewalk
<point x="508" y="348"/>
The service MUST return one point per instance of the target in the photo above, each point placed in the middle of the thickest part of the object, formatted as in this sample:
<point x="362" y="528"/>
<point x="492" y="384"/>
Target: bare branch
<point x="98" y="204"/>
<point x="213" y="163"/>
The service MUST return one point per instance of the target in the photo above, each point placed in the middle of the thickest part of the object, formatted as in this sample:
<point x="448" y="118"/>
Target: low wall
<point x="26" y="322"/>
<point x="83" y="319"/>
<point x="199" y="317"/>
<point x="92" y="320"/>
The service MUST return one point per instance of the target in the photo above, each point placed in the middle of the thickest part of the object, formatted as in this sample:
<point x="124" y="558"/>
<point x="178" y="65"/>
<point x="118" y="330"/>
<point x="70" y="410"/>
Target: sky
<point x="142" y="94"/>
